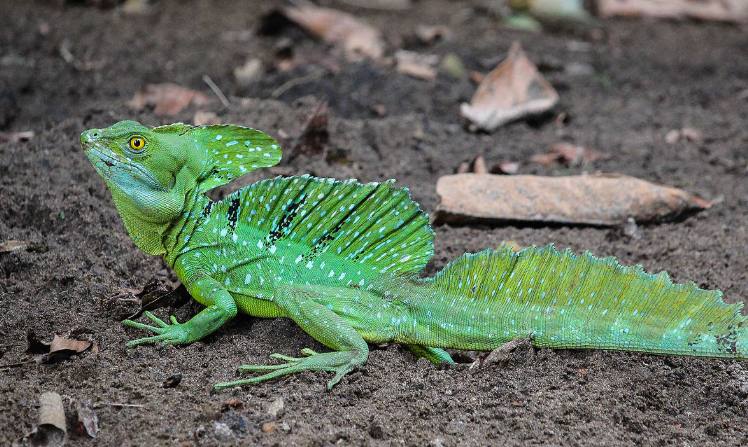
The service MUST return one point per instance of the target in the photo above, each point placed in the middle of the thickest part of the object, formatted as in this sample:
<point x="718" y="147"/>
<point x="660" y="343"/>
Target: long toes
<point x="255" y="368"/>
<point x="145" y="327"/>
<point x="309" y="352"/>
<point x="339" y="374"/>
<point x="155" y="319"/>
<point x="285" y="358"/>
<point x="146" y="340"/>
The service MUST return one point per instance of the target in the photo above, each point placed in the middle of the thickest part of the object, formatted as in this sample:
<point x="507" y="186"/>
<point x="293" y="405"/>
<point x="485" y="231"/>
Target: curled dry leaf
<point x="421" y="66"/>
<point x="88" y="420"/>
<point x="584" y="200"/>
<point x="513" y="90"/>
<point x="167" y="99"/>
<point x="62" y="348"/>
<point x="51" y="430"/>
<point x="735" y="11"/>
<point x="568" y="154"/>
<point x="358" y="39"/>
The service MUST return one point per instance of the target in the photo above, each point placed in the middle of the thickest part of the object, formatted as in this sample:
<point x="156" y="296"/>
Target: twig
<point x="224" y="100"/>
<point x="283" y="88"/>
<point x="118" y="404"/>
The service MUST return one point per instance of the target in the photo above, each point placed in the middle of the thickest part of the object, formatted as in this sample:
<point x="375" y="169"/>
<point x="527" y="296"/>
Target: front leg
<point x="221" y="307"/>
<point x="307" y="308"/>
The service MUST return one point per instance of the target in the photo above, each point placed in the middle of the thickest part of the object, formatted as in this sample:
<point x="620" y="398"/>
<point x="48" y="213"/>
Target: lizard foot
<point x="339" y="362"/>
<point x="168" y="334"/>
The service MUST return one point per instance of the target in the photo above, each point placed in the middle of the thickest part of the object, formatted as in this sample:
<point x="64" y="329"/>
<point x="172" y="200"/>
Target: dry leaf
<point x="513" y="90"/>
<point x="88" y="421"/>
<point x="568" y="154"/>
<point x="51" y="431"/>
<point x="16" y="137"/>
<point x="421" y="66"/>
<point x="358" y="39"/>
<point x="718" y="10"/>
<point x="505" y="167"/>
<point x="250" y="72"/>
<point x="585" y="199"/>
<point x="62" y="348"/>
<point x="479" y="165"/>
<point x="167" y="98"/>
<point x="12" y="245"/>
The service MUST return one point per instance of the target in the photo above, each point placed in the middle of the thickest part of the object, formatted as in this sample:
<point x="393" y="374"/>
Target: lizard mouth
<point x="107" y="164"/>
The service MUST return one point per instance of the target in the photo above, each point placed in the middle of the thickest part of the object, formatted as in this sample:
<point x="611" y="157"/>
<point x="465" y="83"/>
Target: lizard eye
<point x="137" y="144"/>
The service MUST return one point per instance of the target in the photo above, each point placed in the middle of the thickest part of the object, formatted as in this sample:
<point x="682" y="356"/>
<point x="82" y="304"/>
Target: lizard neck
<point x="176" y="238"/>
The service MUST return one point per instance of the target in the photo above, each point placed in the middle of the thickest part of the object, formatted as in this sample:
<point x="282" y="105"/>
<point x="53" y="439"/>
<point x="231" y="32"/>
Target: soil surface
<point x="67" y="67"/>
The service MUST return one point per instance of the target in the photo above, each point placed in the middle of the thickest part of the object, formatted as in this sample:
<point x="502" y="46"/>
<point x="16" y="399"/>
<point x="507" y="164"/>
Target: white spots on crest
<point x="231" y="143"/>
<point x="218" y="137"/>
<point x="223" y="232"/>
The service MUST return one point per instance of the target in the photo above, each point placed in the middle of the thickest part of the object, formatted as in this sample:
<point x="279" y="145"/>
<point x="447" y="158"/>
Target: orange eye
<point x="137" y="143"/>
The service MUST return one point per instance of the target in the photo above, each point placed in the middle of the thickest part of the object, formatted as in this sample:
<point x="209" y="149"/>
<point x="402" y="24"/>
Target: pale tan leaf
<point x="585" y="199"/>
<point x="51" y="430"/>
<point x="358" y="39"/>
<point x="717" y="10"/>
<point x="88" y="420"/>
<point x="421" y="66"/>
<point x="12" y="245"/>
<point x="513" y="90"/>
<point x="168" y="99"/>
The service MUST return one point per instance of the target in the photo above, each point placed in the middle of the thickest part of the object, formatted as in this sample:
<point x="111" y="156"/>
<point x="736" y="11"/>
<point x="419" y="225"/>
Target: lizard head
<point x="152" y="171"/>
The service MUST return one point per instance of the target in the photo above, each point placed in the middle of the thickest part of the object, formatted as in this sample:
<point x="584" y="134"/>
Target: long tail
<point x="563" y="300"/>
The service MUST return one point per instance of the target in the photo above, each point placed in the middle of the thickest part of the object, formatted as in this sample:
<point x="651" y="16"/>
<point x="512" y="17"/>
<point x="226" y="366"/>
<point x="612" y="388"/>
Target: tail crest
<point x="565" y="300"/>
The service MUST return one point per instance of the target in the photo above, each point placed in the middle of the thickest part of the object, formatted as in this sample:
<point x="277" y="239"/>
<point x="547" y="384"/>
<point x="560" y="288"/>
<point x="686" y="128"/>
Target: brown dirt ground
<point x="649" y="77"/>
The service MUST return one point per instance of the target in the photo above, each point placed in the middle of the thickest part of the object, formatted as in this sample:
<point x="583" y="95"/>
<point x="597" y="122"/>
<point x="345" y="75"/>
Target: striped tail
<point x="563" y="300"/>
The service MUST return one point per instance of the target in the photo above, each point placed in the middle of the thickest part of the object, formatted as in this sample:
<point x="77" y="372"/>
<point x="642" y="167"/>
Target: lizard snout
<point x="89" y="136"/>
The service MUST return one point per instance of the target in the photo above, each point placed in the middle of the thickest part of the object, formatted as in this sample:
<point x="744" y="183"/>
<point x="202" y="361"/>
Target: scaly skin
<point x="342" y="260"/>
